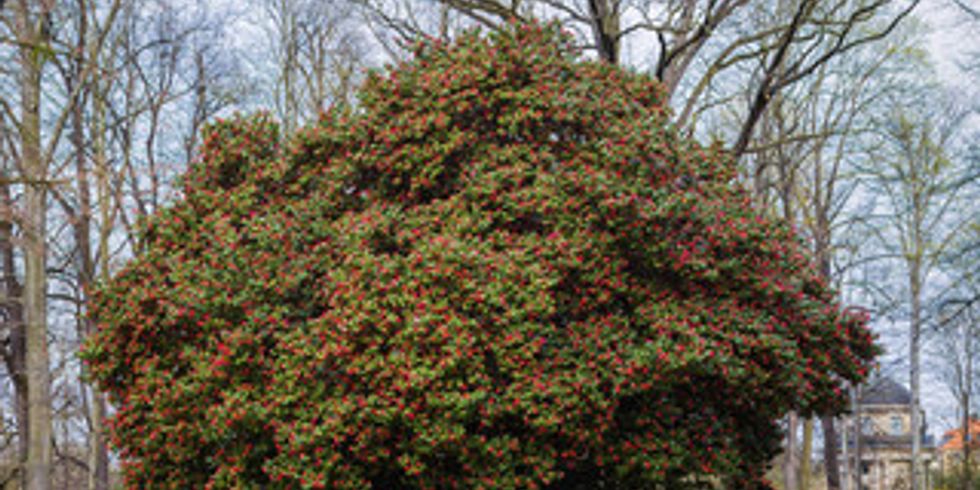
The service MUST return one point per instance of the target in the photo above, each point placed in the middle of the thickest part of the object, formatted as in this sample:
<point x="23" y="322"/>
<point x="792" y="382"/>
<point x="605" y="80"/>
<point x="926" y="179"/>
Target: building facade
<point x="877" y="440"/>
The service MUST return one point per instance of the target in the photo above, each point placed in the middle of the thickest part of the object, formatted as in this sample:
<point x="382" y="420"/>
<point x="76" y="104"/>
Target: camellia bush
<point x="502" y="270"/>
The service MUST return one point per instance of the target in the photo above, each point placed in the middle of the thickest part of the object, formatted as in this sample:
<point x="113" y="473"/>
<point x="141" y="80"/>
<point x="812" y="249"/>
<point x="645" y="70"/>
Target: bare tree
<point x="32" y="31"/>
<point x="102" y="86"/>
<point x="702" y="44"/>
<point x="317" y="54"/>
<point x="161" y="72"/>
<point x="958" y="358"/>
<point x="33" y="37"/>
<point x="798" y="165"/>
<point x="913" y="175"/>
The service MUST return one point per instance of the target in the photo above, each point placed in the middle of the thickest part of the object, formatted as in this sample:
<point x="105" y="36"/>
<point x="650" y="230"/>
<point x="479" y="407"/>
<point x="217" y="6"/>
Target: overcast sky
<point x="952" y="38"/>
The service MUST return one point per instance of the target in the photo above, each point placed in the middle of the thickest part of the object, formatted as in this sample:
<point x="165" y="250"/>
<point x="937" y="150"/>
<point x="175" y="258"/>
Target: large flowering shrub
<point x="504" y="270"/>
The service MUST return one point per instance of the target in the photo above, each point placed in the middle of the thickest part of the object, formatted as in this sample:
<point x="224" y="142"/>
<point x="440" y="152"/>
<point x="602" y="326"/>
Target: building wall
<point x="888" y="467"/>
<point x="888" y="419"/>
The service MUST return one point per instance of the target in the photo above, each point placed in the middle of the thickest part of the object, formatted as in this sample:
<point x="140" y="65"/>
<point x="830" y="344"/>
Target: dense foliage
<point x="503" y="271"/>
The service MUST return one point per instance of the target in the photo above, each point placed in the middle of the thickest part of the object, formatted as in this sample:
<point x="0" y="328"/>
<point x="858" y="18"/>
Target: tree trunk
<point x="605" y="29"/>
<point x="106" y="215"/>
<point x="914" y="374"/>
<point x="790" y="464"/>
<point x="846" y="471"/>
<point x="35" y="301"/>
<point x="15" y="353"/>
<point x="33" y="51"/>
<point x="965" y="402"/>
<point x="289" y="34"/>
<point x="98" y="457"/>
<point x="104" y="203"/>
<point x="807" y="454"/>
<point x="98" y="476"/>
<point x="858" y="434"/>
<point x="830" y="447"/>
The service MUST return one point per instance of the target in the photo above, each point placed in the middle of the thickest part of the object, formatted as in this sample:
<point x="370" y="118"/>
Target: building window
<point x="896" y="425"/>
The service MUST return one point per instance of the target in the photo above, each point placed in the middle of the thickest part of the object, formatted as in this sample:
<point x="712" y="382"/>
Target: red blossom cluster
<point x="503" y="270"/>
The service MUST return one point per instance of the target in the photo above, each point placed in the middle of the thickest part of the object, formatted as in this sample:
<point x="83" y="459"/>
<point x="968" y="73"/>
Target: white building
<point x="885" y="441"/>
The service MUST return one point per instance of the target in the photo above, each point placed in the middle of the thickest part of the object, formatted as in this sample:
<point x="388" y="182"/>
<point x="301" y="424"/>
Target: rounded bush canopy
<point x="503" y="269"/>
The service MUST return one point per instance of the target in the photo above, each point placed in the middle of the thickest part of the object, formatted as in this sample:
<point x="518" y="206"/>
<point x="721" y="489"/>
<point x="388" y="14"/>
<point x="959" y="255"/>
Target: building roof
<point x="885" y="391"/>
<point x="953" y="439"/>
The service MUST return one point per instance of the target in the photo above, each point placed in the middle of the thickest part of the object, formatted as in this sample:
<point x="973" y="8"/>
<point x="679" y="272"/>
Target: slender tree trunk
<point x="914" y="375"/>
<point x="104" y="201"/>
<point x="106" y="217"/>
<point x="831" y="444"/>
<point x="830" y="452"/>
<point x="444" y="10"/>
<point x="33" y="51"/>
<point x="289" y="34"/>
<point x="807" y="454"/>
<point x="199" y="114"/>
<point x="16" y="351"/>
<point x="98" y="457"/>
<point x="790" y="464"/>
<point x="846" y="472"/>
<point x="858" y="433"/>
<point x="965" y="402"/>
